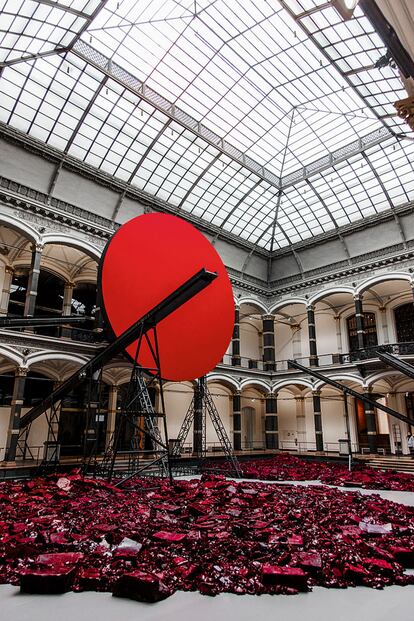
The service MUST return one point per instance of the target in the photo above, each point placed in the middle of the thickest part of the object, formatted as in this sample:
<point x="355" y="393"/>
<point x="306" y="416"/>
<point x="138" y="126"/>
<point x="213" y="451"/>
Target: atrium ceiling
<point x="267" y="118"/>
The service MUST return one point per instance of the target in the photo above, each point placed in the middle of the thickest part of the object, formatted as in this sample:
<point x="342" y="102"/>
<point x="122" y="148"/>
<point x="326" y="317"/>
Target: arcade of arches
<point x="264" y="405"/>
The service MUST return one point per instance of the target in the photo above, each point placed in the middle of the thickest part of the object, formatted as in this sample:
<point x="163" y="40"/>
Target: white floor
<point x="319" y="605"/>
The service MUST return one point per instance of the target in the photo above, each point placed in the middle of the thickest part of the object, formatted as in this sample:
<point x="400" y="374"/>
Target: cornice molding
<point x="71" y="163"/>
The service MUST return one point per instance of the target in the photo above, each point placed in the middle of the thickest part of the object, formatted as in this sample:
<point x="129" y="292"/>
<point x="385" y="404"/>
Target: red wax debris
<point x="405" y="556"/>
<point x="47" y="580"/>
<point x="142" y="586"/>
<point x="163" y="535"/>
<point x="311" y="561"/>
<point x="284" y="467"/>
<point x="285" y="576"/>
<point x="212" y="535"/>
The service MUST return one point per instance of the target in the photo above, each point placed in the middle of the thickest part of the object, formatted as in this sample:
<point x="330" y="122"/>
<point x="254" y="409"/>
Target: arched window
<point x="370" y="328"/>
<point x="404" y="322"/>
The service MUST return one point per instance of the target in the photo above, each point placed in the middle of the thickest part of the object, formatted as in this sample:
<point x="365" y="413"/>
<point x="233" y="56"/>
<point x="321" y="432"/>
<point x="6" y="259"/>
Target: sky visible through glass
<point x="266" y="118"/>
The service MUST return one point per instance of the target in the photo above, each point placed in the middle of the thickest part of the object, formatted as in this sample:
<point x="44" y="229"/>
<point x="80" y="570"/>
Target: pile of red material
<point x="212" y="535"/>
<point x="290" y="468"/>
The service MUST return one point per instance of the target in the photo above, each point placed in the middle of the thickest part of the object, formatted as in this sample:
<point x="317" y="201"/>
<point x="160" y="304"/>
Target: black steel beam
<point x="389" y="37"/>
<point x="28" y="322"/>
<point x="404" y="367"/>
<point x="172" y="302"/>
<point x="349" y="391"/>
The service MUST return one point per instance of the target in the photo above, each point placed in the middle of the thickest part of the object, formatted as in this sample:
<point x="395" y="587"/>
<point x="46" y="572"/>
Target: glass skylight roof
<point x="32" y="27"/>
<point x="265" y="118"/>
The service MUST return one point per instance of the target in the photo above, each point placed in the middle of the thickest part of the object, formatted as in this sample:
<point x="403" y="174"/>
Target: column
<point x="269" y="342"/>
<point x="384" y="325"/>
<point x="401" y="406"/>
<point x="296" y="341"/>
<point x="338" y="333"/>
<point x="112" y="411"/>
<point x="15" y="413"/>
<point x="33" y="281"/>
<point x="235" y="342"/>
<point x="317" y="415"/>
<point x="5" y="293"/>
<point x="371" y="423"/>
<point x="198" y="447"/>
<point x="67" y="307"/>
<point x="301" y="423"/>
<point x="359" y="319"/>
<point x="237" y="430"/>
<point x="271" y="423"/>
<point x="313" y="353"/>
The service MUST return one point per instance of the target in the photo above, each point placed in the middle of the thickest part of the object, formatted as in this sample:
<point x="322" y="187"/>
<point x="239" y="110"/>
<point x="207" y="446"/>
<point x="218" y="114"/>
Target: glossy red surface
<point x="146" y="260"/>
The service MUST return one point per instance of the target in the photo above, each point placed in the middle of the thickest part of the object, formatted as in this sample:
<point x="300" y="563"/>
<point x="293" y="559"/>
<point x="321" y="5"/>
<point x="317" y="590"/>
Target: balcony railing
<point x="367" y="353"/>
<point x="323" y="360"/>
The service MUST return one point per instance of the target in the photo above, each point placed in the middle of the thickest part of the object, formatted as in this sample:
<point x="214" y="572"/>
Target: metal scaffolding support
<point x="201" y="405"/>
<point x="139" y="414"/>
<point x="138" y="330"/>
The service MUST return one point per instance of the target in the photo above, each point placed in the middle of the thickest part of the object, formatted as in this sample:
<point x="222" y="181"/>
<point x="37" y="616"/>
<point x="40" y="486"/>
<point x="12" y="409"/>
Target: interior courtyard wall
<point x="325" y="327"/>
<point x="286" y="414"/>
<point x="333" y="419"/>
<point x="4" y="423"/>
<point x="222" y="398"/>
<point x="253" y="398"/>
<point x="250" y="340"/>
<point x="283" y="338"/>
<point x="177" y="396"/>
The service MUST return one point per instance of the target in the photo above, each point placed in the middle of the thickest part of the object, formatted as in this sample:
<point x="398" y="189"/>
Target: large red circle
<point x="146" y="260"/>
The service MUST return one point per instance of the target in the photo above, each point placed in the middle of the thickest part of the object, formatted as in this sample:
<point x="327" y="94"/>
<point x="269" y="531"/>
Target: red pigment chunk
<point x="355" y="573"/>
<point x="379" y="564"/>
<point x="169" y="537"/>
<point x="47" y="580"/>
<point x="141" y="586"/>
<point x="58" y="559"/>
<point x="311" y="561"/>
<point x="404" y="556"/>
<point x="293" y="577"/>
<point x="89" y="579"/>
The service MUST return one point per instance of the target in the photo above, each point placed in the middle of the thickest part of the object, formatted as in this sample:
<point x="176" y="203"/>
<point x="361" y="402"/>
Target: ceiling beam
<point x="128" y="81"/>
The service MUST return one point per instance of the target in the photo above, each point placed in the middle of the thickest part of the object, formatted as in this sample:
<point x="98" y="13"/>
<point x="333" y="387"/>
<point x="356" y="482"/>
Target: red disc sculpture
<point x="147" y="259"/>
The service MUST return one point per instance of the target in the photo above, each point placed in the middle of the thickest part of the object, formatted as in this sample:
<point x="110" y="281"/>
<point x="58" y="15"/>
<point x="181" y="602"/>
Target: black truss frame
<point x="196" y="283"/>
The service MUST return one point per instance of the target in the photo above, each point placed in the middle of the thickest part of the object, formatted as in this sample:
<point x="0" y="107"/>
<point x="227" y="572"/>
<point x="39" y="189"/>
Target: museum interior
<point x="282" y="130"/>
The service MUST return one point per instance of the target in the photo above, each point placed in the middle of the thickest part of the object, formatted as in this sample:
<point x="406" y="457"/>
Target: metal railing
<point x="323" y="360"/>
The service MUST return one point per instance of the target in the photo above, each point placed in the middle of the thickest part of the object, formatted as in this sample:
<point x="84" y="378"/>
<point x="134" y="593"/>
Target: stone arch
<point x="45" y="266"/>
<point x="66" y="240"/>
<point x="366" y="284"/>
<point x="228" y="381"/>
<point x="292" y="382"/>
<point x="21" y="227"/>
<point x="318" y="297"/>
<point x="255" y="383"/>
<point x="12" y="355"/>
<point x="253" y="302"/>
<point x="341" y="377"/>
<point x="371" y="379"/>
<point x="282" y="303"/>
<point x="52" y="355"/>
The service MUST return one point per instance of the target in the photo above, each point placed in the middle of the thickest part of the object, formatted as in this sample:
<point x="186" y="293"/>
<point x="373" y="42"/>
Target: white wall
<point x="254" y="399"/>
<point x="250" y="341"/>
